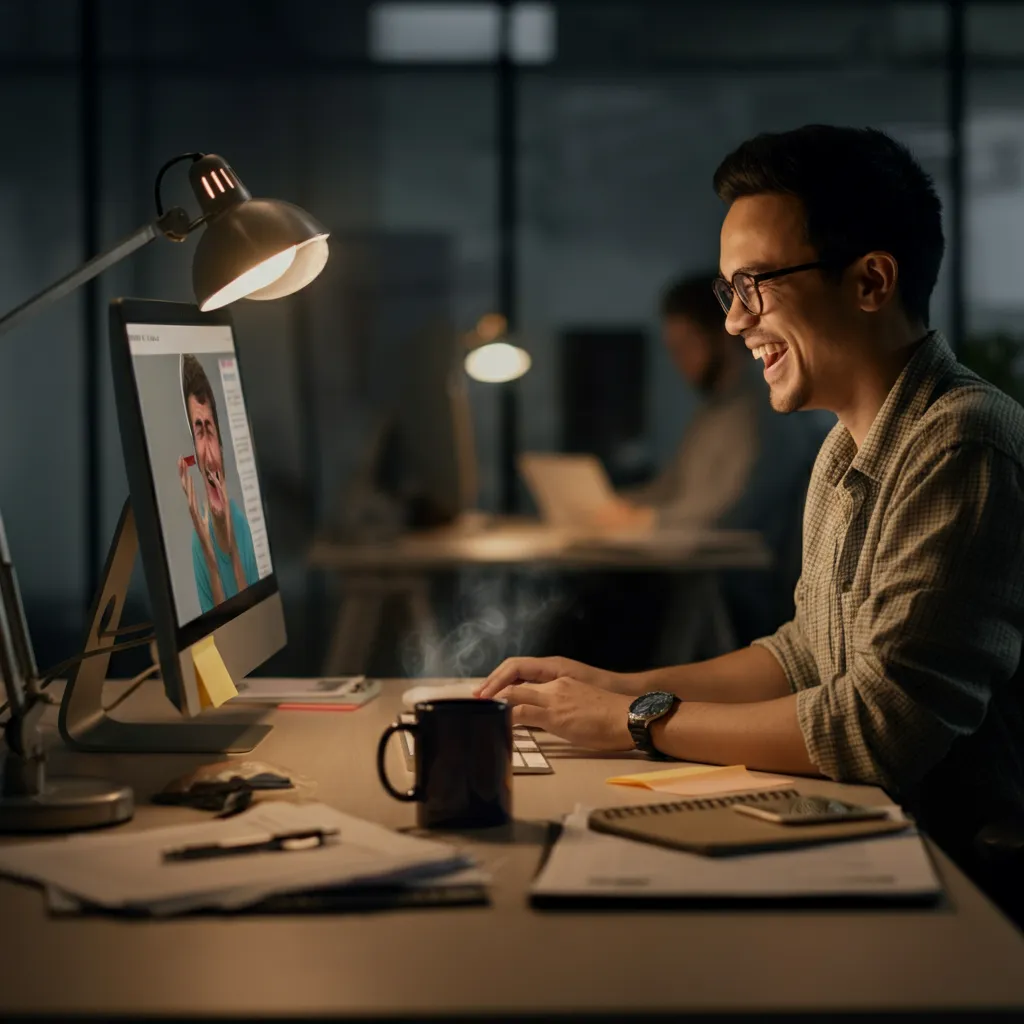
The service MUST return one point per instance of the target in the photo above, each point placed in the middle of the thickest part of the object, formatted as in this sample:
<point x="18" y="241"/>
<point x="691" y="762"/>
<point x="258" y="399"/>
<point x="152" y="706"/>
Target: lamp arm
<point x="173" y="225"/>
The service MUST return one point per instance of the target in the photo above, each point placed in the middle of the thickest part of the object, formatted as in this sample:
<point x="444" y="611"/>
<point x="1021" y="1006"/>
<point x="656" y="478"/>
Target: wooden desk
<point x="370" y="573"/>
<point x="505" y="961"/>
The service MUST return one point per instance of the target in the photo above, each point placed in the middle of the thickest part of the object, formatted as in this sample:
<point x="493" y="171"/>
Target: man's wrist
<point x="643" y="714"/>
<point x="638" y="683"/>
<point x="659" y="729"/>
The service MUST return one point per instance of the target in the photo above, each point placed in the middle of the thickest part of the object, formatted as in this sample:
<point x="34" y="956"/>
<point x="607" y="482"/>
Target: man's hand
<point x="201" y="524"/>
<point x="200" y="519"/>
<point x="545" y="670"/>
<point x="230" y="547"/>
<point x="229" y="527"/>
<point x="577" y="712"/>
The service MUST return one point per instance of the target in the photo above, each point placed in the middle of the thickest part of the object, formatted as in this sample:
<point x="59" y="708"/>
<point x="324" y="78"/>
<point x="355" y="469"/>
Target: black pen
<point x="307" y="839"/>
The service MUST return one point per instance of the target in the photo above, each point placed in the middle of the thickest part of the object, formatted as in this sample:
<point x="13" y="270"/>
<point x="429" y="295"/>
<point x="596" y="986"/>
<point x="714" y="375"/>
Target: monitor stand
<point x="85" y="725"/>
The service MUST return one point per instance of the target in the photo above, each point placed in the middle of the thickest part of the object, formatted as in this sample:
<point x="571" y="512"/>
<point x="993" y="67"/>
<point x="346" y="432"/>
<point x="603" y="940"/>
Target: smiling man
<point x="901" y="666"/>
<point x="223" y="557"/>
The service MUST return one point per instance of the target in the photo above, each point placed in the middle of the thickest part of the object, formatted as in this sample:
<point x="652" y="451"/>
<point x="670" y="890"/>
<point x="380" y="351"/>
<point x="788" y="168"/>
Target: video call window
<point x="203" y="465"/>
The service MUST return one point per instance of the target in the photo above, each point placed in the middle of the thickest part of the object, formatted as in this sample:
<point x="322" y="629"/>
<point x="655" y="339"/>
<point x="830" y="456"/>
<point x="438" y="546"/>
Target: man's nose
<point x="739" y="318"/>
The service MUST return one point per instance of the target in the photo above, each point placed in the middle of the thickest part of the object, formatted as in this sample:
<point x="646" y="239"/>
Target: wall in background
<point x="620" y="127"/>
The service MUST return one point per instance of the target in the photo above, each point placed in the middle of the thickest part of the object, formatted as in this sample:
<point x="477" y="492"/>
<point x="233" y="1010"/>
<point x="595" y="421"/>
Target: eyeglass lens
<point x="742" y="285"/>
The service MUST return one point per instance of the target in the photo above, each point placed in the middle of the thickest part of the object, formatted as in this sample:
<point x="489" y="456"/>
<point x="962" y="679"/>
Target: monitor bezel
<point x="172" y="638"/>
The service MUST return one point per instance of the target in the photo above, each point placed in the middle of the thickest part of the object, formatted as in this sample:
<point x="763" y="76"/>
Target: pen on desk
<point x="307" y="839"/>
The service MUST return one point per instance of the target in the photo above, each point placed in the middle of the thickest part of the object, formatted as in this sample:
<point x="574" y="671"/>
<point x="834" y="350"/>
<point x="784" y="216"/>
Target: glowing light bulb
<point x="260" y="276"/>
<point x="310" y="259"/>
<point x="497" y="362"/>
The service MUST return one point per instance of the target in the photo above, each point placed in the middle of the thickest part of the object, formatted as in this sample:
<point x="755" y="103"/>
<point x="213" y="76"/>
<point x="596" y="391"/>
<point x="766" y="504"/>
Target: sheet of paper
<point x="588" y="863"/>
<point x="215" y="683"/>
<point x="127" y="869"/>
<point x="702" y="780"/>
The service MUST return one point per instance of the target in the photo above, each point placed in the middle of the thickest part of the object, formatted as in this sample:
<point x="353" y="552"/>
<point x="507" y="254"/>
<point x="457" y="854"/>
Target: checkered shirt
<point x="905" y="648"/>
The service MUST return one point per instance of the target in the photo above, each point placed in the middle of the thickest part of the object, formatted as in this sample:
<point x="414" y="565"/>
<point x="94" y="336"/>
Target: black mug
<point x="463" y="758"/>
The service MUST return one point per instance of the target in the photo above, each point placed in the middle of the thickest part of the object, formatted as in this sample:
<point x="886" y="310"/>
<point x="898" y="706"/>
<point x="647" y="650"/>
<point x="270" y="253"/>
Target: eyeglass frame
<point x="756" y="279"/>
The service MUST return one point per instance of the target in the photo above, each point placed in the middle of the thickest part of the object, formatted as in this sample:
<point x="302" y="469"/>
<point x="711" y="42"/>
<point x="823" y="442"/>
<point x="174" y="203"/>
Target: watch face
<point x="652" y="704"/>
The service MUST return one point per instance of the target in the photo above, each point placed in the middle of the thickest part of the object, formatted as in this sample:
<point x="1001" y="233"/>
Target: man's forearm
<point x="746" y="676"/>
<point x="216" y="586"/>
<point x="764" y="735"/>
<point x="239" y="571"/>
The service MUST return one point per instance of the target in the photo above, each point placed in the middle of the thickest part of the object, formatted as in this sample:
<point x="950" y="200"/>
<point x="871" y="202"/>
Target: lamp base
<point x="67" y="805"/>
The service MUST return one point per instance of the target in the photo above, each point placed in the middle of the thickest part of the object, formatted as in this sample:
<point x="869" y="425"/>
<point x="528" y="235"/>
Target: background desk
<point x="504" y="961"/>
<point x="369" y="573"/>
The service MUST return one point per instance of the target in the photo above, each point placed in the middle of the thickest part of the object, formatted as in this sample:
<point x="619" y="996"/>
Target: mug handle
<point x="410" y="795"/>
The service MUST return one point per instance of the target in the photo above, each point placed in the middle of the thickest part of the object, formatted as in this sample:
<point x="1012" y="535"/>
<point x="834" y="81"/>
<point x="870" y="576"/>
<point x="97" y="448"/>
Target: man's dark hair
<point x="861" y="191"/>
<point x="195" y="384"/>
<point x="694" y="298"/>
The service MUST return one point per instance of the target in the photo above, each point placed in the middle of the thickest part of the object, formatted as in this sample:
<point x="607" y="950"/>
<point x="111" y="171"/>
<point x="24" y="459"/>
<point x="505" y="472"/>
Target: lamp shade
<point x="251" y="248"/>
<point x="497" y="362"/>
<point x="492" y="357"/>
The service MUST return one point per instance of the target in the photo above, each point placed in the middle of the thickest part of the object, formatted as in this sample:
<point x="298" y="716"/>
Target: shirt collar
<point x="907" y="400"/>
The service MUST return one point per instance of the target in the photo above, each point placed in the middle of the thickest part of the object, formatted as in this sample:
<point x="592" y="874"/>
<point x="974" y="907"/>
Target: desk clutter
<point x="306" y="855"/>
<point x="587" y="866"/>
<point x="341" y="693"/>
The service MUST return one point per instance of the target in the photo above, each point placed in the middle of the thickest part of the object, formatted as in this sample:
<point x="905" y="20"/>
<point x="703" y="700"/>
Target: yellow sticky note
<point x="703" y="780"/>
<point x="650" y="780"/>
<point x="215" y="682"/>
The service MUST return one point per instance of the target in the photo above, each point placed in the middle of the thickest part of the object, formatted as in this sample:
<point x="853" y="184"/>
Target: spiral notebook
<point x="710" y="825"/>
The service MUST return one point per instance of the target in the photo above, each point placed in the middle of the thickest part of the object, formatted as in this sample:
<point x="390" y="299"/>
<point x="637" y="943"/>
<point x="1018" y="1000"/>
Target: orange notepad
<point x="702" y="780"/>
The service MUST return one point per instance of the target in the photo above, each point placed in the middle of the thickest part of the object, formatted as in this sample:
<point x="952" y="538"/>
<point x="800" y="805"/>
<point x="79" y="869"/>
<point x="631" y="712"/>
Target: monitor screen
<point x="202" y="463"/>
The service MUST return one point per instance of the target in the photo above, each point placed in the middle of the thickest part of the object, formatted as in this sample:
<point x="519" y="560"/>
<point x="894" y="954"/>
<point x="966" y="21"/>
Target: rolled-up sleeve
<point x="939" y="630"/>
<point x="788" y="644"/>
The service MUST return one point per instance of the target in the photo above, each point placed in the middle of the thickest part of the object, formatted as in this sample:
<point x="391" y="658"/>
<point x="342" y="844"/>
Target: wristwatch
<point x="643" y="713"/>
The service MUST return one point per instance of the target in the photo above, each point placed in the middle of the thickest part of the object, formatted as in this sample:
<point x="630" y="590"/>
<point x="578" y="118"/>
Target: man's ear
<point x="874" y="278"/>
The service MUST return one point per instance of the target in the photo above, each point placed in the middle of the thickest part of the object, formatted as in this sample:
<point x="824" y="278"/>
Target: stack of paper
<point x="128" y="872"/>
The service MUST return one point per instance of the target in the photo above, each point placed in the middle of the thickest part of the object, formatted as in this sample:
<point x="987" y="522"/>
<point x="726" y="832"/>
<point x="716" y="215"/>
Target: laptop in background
<point x="568" y="489"/>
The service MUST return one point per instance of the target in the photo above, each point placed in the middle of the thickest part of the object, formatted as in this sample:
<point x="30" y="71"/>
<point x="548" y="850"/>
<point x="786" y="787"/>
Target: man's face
<point x="808" y="362"/>
<point x="696" y="355"/>
<point x="208" y="452"/>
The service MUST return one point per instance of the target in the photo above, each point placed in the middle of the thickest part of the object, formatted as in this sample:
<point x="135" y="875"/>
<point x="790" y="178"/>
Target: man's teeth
<point x="763" y="350"/>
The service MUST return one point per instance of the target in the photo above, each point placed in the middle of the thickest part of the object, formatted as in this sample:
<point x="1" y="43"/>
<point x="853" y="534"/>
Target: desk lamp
<point x="251" y="248"/>
<point x="492" y="357"/>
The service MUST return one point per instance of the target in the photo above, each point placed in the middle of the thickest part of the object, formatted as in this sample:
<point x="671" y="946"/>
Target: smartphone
<point x="811" y="810"/>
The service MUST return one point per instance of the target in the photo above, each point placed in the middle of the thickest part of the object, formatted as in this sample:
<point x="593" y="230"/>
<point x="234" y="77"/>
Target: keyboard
<point x="527" y="757"/>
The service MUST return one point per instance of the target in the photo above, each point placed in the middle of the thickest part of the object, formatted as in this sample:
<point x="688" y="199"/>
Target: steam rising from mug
<point x="492" y="626"/>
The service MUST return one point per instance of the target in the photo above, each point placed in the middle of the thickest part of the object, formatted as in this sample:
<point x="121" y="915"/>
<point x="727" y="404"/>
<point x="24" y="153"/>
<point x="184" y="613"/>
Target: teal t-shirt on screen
<point x="243" y="541"/>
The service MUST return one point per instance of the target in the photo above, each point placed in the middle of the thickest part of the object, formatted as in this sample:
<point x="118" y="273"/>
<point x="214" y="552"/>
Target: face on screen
<point x="209" y="455"/>
<point x="203" y="463"/>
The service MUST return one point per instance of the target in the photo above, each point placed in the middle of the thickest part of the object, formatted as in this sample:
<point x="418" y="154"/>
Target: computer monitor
<point x="197" y="509"/>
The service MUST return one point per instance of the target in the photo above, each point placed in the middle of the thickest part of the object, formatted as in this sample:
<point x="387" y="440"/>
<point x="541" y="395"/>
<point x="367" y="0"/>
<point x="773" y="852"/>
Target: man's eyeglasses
<point x="747" y="286"/>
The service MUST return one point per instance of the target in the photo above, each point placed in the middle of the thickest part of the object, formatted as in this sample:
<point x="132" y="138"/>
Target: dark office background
<point x="388" y="123"/>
